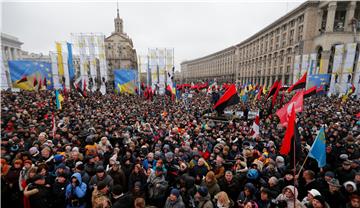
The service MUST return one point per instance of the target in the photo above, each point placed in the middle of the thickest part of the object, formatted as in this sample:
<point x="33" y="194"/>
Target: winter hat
<point x="334" y="182"/>
<point x="314" y="192"/>
<point x="169" y="155"/>
<point x="330" y="174"/>
<point x="203" y="191"/>
<point x="350" y="183"/>
<point x="175" y="192"/>
<point x="320" y="199"/>
<point x="20" y="162"/>
<point x="101" y="185"/>
<point x="100" y="169"/>
<point x="58" y="158"/>
<point x="33" y="151"/>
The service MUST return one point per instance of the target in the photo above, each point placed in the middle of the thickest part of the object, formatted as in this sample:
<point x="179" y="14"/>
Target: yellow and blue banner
<point x="23" y="73"/>
<point x="318" y="149"/>
<point x="125" y="80"/>
<point x="59" y="99"/>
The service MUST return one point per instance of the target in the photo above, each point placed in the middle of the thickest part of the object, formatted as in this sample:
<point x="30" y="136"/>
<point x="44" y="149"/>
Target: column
<point x="319" y="21"/>
<point x="350" y="11"/>
<point x="330" y="17"/>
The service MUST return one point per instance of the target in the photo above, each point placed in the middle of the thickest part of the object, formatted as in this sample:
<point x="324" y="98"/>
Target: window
<point x="339" y="22"/>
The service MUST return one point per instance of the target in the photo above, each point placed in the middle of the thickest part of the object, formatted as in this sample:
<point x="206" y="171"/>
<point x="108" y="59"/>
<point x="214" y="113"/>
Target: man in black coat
<point x="230" y="185"/>
<point x="58" y="191"/>
<point x="119" y="199"/>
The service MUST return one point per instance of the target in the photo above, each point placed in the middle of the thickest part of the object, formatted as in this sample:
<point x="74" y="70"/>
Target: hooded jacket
<point x="78" y="191"/>
<point x="205" y="202"/>
<point x="290" y="201"/>
<point x="176" y="204"/>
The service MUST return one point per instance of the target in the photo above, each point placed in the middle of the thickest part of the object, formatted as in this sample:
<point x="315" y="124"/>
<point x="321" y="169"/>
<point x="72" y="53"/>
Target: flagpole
<point x="294" y="150"/>
<point x="302" y="166"/>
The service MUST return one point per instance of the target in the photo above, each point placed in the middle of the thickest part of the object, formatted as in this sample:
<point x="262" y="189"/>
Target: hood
<point x="350" y="183"/>
<point x="77" y="176"/>
<point x="292" y="189"/>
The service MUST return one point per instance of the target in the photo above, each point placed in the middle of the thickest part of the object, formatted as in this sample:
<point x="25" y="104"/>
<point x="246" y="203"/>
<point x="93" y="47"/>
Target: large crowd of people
<point x="126" y="151"/>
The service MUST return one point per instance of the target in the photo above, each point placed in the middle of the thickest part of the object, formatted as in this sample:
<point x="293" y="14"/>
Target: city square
<point x="180" y="104"/>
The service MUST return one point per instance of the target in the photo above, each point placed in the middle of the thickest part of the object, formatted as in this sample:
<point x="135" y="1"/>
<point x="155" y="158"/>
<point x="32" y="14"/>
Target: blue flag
<point x="318" y="149"/>
<point x="70" y="62"/>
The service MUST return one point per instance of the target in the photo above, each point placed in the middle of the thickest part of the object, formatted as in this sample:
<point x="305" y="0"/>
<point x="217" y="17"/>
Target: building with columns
<point x="119" y="49"/>
<point x="10" y="50"/>
<point x="268" y="55"/>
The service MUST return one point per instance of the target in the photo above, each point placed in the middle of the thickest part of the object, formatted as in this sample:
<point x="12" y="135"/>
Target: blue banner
<point x="70" y="62"/>
<point x="30" y="75"/>
<point x="318" y="80"/>
<point x="125" y="80"/>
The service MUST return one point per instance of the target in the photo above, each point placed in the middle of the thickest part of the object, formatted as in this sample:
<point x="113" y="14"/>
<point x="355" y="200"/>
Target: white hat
<point x="314" y="192"/>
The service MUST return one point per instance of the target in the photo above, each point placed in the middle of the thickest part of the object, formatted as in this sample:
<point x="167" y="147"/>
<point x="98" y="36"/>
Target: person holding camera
<point x="75" y="192"/>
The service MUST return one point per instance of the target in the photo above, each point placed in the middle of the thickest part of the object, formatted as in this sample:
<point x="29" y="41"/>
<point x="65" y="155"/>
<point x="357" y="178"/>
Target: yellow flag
<point x="60" y="59"/>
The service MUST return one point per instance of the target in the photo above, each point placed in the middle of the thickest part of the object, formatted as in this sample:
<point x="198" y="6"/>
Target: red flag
<point x="272" y="89"/>
<point x="230" y="97"/>
<point x="35" y="82"/>
<point x="23" y="79"/>
<point x="84" y="89"/>
<point x="297" y="101"/>
<point x="320" y="89"/>
<point x="40" y="83"/>
<point x="255" y="127"/>
<point x="301" y="83"/>
<point x="273" y="101"/>
<point x="310" y="92"/>
<point x="286" y="143"/>
<point x="358" y="115"/>
<point x="258" y="97"/>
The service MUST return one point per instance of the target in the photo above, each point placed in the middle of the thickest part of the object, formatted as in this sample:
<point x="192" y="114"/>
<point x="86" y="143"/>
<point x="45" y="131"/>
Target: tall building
<point x="315" y="27"/>
<point x="10" y="50"/>
<point x="119" y="49"/>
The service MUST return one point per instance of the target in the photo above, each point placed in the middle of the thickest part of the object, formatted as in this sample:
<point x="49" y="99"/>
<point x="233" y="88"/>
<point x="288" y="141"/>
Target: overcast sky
<point x="192" y="29"/>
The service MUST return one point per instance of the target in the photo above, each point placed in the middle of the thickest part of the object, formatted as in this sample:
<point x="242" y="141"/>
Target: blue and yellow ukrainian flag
<point x="318" y="149"/>
<point x="125" y="80"/>
<point x="23" y="73"/>
<point x="59" y="99"/>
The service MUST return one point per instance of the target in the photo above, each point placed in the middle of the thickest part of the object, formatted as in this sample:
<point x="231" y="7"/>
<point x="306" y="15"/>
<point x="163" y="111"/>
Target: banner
<point x="83" y="59"/>
<point x="24" y="73"/>
<point x="92" y="63"/>
<point x="102" y="58"/>
<point x="347" y="73"/>
<point x="169" y="65"/>
<point x="357" y="78"/>
<point x="336" y="70"/>
<point x="60" y="59"/>
<point x="304" y="64"/>
<point x="125" y="80"/>
<point x="70" y="62"/>
<point x="65" y="66"/>
<point x="312" y="65"/>
<point x="153" y="64"/>
<point x="54" y="70"/>
<point x="318" y="80"/>
<point x="161" y="68"/>
<point x="297" y="72"/>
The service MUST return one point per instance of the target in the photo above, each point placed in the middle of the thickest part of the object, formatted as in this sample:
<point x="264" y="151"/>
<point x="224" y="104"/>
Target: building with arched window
<point x="314" y="27"/>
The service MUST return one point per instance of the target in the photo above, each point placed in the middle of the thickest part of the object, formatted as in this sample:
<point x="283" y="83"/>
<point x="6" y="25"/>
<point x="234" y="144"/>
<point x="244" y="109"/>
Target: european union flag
<point x="23" y="73"/>
<point x="318" y="149"/>
<point x="125" y="80"/>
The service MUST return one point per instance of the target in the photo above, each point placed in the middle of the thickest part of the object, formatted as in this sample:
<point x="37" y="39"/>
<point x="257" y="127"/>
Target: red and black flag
<point x="258" y="97"/>
<point x="23" y="79"/>
<point x="35" y="82"/>
<point x="230" y="97"/>
<point x="272" y="89"/>
<point x="310" y="92"/>
<point x="274" y="98"/>
<point x="301" y="83"/>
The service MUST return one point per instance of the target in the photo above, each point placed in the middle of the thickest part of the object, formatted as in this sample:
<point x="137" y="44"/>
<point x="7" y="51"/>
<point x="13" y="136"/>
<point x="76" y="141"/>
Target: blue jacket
<point x="79" y="191"/>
